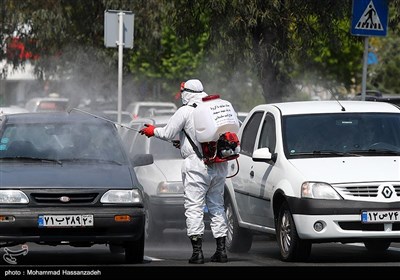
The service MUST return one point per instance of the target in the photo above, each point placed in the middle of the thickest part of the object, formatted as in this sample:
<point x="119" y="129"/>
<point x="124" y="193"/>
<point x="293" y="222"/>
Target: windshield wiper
<point x="336" y="153"/>
<point x="90" y="160"/>
<point x="327" y="153"/>
<point x="32" y="159"/>
<point x="384" y="152"/>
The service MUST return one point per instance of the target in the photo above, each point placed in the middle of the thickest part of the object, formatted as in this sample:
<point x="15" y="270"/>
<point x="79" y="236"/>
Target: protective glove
<point x="148" y="130"/>
<point x="176" y="144"/>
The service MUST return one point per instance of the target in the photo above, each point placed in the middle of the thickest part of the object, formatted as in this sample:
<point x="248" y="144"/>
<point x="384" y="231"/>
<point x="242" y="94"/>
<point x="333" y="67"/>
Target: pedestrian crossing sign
<point x="369" y="17"/>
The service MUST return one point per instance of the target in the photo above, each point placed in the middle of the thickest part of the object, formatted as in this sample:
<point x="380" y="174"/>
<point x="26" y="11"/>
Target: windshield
<point x="341" y="134"/>
<point x="61" y="141"/>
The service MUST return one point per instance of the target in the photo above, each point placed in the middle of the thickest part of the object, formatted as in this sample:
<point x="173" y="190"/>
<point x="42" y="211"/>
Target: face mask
<point x="183" y="98"/>
<point x="183" y="95"/>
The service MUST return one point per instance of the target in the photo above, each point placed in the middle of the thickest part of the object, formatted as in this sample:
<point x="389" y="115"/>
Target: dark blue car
<point x="66" y="178"/>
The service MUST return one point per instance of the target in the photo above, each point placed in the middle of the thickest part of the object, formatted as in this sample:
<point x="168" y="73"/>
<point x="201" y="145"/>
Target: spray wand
<point x="174" y="142"/>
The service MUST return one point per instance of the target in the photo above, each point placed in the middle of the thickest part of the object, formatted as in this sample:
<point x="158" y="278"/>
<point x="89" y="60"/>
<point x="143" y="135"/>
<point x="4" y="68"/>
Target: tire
<point x="292" y="248"/>
<point x="238" y="240"/>
<point x="134" y="250"/>
<point x="376" y="246"/>
<point x="153" y="232"/>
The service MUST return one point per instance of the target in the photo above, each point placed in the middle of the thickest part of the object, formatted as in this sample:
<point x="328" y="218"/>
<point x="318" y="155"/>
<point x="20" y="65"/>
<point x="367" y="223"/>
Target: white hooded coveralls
<point x="203" y="184"/>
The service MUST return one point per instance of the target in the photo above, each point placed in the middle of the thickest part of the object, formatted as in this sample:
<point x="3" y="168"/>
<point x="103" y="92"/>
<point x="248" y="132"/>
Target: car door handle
<point x="251" y="173"/>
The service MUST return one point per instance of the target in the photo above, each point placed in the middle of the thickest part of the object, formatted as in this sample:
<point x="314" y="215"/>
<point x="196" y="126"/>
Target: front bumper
<point x="25" y="226"/>
<point x="341" y="220"/>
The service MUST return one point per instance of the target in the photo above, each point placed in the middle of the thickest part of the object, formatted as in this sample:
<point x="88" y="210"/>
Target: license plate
<point x="65" y="220"/>
<point x="387" y="216"/>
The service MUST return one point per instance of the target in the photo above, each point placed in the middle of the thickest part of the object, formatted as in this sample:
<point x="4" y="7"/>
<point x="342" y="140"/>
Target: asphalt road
<point x="172" y="252"/>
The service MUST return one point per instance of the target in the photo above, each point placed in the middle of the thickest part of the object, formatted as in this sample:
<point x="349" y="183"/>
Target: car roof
<point x="135" y="106"/>
<point x="155" y="120"/>
<point x="12" y="110"/>
<point x="115" y="112"/>
<point x="62" y="99"/>
<point x="330" y="106"/>
<point x="162" y="103"/>
<point x="51" y="117"/>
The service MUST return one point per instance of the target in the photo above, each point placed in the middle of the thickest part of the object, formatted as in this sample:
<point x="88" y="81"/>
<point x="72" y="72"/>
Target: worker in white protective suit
<point x="203" y="184"/>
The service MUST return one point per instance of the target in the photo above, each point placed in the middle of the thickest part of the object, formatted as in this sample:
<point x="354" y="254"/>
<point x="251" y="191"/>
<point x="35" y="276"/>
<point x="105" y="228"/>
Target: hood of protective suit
<point x="189" y="98"/>
<point x="193" y="92"/>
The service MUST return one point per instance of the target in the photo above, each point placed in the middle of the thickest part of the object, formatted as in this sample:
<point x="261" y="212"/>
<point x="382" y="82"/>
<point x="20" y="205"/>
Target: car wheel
<point x="377" y="246"/>
<point x="238" y="239"/>
<point x="292" y="248"/>
<point x="134" y="250"/>
<point x="152" y="231"/>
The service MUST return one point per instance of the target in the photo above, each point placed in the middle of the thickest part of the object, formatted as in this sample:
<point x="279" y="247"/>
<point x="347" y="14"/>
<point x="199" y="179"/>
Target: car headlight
<point x="121" y="196"/>
<point x="318" y="190"/>
<point x="13" y="197"/>
<point x="170" y="188"/>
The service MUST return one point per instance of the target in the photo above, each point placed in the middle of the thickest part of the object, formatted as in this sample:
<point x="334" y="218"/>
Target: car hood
<point x="66" y="175"/>
<point x="171" y="169"/>
<point x="349" y="169"/>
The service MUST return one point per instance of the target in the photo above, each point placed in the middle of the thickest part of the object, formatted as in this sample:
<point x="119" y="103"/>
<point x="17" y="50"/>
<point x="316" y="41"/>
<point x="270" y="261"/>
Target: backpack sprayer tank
<point x="216" y="125"/>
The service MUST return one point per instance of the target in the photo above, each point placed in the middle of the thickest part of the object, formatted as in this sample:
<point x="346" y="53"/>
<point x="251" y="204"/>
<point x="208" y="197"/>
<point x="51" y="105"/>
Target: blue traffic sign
<point x="372" y="58"/>
<point x="370" y="17"/>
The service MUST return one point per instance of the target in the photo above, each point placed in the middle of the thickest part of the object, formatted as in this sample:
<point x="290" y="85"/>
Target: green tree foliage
<point x="240" y="48"/>
<point x="333" y="63"/>
<point x="383" y="76"/>
<point x="68" y="37"/>
<point x="280" y="38"/>
<point x="173" y="61"/>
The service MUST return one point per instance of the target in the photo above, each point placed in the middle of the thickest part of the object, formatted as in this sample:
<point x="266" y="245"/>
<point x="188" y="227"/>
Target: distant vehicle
<point x="143" y="109"/>
<point x="66" y="179"/>
<point x="242" y="116"/>
<point x="161" y="112"/>
<point x="371" y="92"/>
<point x="393" y="99"/>
<point x="161" y="181"/>
<point x="12" y="110"/>
<point x="47" y="104"/>
<point x="316" y="172"/>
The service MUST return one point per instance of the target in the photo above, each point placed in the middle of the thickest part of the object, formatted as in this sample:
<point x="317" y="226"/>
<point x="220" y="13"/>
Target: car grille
<point x="361" y="191"/>
<point x="370" y="190"/>
<point x="56" y="198"/>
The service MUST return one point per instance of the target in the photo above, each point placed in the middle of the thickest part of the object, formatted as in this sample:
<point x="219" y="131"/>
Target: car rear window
<point x="52" y="106"/>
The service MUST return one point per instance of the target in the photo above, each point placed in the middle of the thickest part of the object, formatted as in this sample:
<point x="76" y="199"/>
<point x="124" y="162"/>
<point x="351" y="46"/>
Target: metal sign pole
<point x="120" y="44"/>
<point x="123" y="22"/>
<point x="364" y="73"/>
<point x="369" y="18"/>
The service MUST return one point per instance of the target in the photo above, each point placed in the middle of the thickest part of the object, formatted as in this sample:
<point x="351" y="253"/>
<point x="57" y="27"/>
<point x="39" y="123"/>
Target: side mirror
<point x="263" y="155"/>
<point x="142" y="159"/>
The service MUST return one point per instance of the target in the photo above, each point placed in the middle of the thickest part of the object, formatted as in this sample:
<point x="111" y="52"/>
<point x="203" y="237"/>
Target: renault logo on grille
<point x="387" y="192"/>
<point x="65" y="199"/>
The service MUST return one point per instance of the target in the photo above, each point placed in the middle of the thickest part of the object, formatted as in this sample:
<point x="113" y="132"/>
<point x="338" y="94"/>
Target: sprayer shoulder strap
<point x="195" y="148"/>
